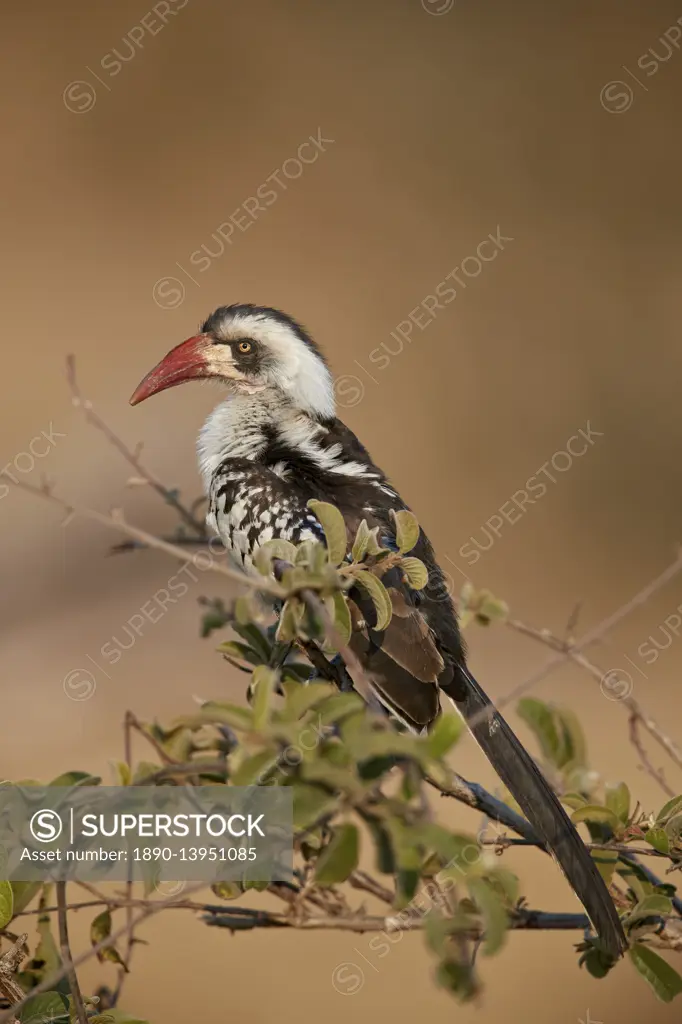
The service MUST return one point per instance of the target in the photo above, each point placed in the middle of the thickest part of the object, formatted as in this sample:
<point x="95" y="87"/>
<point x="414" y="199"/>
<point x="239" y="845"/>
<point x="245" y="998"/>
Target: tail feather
<point x="539" y="803"/>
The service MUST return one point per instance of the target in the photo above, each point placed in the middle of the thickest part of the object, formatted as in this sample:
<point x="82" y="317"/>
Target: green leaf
<point x="76" y="779"/>
<point x="361" y="542"/>
<point x="460" y="852"/>
<point x="596" y="962"/>
<point x="310" y="804"/>
<point x="290" y="619"/>
<point x="342" y="619"/>
<point x="233" y="649"/>
<point x="339" y="706"/>
<point x="407" y="883"/>
<point x="6" y="904"/>
<point x="334" y="529"/>
<point x="495" y="917"/>
<point x="252" y="769"/>
<point x="574" y="800"/>
<point x="46" y="950"/>
<point x="618" y="800"/>
<point x="101" y="929"/>
<point x="331" y="776"/>
<point x="379" y="595"/>
<point x="540" y="718"/>
<point x="122" y="773"/>
<point x="633" y="875"/>
<point x="383" y="847"/>
<point x="606" y="861"/>
<point x="416" y="573"/>
<point x="300" y="699"/>
<point x="664" y="979"/>
<point x="272" y="549"/>
<point x="219" y="713"/>
<point x="651" y="906"/>
<point x="263" y="683"/>
<point x="143" y="769"/>
<point x="658" y="838"/>
<point x="457" y="978"/>
<point x="44" y="1008"/>
<point x="226" y="890"/>
<point x="23" y="892"/>
<point x="594" y="813"/>
<point x="506" y="883"/>
<point x="491" y="609"/>
<point x="673" y="830"/>
<point x="255" y="638"/>
<point x="445" y="733"/>
<point x="575" y="745"/>
<point x="669" y="810"/>
<point x="406" y="530"/>
<point x="340" y="858"/>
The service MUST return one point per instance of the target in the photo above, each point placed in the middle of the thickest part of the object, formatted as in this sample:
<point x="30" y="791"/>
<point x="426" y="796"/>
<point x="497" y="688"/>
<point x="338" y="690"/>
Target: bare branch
<point x="48" y="983"/>
<point x="67" y="958"/>
<point x="116" y="522"/>
<point x="599" y="631"/>
<point x="572" y="651"/>
<point x="168" y="494"/>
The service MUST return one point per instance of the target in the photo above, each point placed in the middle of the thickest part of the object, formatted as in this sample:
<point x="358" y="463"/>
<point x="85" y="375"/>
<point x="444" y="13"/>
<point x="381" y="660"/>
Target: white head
<point x="253" y="349"/>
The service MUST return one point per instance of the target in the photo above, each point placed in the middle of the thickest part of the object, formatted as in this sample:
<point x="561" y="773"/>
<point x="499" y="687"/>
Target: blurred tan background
<point x="448" y="122"/>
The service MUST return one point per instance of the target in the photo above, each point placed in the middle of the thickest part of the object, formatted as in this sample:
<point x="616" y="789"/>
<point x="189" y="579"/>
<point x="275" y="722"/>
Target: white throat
<point x="237" y="429"/>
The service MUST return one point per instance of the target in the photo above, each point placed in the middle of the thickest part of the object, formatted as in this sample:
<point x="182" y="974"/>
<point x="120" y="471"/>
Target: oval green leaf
<point x="406" y="530"/>
<point x="664" y="979"/>
<point x="379" y="595"/>
<point x="44" y="1008"/>
<point x="658" y="838"/>
<point x="618" y="800"/>
<point x="340" y="858"/>
<point x="416" y="573"/>
<point x="342" y="619"/>
<point x="6" y="904"/>
<point x="445" y="733"/>
<point x="592" y="812"/>
<point x="495" y="917"/>
<point x="263" y="683"/>
<point x="334" y="529"/>
<point x="670" y="809"/>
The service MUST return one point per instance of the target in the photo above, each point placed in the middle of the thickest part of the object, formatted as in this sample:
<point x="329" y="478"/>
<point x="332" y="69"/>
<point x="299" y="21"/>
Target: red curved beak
<point x="187" y="361"/>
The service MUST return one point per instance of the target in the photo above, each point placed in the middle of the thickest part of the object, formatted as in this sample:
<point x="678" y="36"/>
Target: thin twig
<point x="118" y="523"/>
<point x="571" y="651"/>
<point x="132" y="457"/>
<point x="239" y="918"/>
<point x="656" y="773"/>
<point x="48" y="983"/>
<point x="130" y="722"/>
<point x="598" y="632"/>
<point x="67" y="958"/>
<point x="10" y="962"/>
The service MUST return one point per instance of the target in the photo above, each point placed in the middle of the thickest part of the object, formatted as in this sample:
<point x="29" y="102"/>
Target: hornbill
<point x="274" y="444"/>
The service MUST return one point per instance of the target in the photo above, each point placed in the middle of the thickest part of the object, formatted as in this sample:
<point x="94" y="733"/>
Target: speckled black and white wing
<point x="250" y="504"/>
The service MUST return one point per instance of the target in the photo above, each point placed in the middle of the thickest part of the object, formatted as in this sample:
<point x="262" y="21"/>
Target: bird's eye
<point x="244" y="346"/>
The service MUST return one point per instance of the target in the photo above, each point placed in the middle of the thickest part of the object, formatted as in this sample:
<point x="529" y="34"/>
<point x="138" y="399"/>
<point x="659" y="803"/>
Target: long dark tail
<point x="539" y="803"/>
